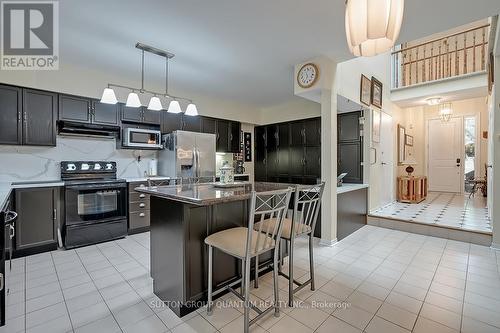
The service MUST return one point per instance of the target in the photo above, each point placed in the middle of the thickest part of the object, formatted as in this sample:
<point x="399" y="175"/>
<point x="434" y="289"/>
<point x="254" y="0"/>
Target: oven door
<point x="142" y="138"/>
<point x="93" y="203"/>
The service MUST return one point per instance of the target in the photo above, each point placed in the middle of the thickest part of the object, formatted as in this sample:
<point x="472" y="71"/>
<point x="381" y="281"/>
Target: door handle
<point x="375" y="150"/>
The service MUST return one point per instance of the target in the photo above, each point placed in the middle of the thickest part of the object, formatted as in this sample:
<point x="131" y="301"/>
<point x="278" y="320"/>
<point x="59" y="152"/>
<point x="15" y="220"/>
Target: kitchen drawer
<point x="139" y="206"/>
<point x="139" y="220"/>
<point x="132" y="186"/>
<point x="138" y="197"/>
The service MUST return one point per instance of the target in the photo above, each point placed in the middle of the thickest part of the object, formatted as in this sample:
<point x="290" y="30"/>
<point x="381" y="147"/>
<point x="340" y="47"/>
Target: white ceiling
<point x="238" y="50"/>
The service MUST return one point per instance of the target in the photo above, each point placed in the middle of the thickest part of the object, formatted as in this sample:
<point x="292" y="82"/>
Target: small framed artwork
<point x="247" y="142"/>
<point x="376" y="93"/>
<point x="401" y="144"/>
<point x="409" y="140"/>
<point x="365" y="90"/>
<point x="377" y="118"/>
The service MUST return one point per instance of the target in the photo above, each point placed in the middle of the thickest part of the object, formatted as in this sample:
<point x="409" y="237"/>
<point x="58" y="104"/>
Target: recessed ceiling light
<point x="433" y="100"/>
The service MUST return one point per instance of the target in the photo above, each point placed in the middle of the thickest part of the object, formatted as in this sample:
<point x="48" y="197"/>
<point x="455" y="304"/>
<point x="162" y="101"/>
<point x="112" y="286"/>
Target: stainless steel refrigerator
<point x="188" y="155"/>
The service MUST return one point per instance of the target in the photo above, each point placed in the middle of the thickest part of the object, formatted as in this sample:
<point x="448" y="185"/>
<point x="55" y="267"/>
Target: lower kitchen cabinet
<point x="38" y="220"/>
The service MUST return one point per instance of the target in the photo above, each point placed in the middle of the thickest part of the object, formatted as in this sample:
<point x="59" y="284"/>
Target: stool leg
<point x="210" y="268"/>
<point x="311" y="260"/>
<point x="290" y="274"/>
<point x="243" y="277"/>
<point x="246" y="309"/>
<point x="275" y="282"/>
<point x="256" y="280"/>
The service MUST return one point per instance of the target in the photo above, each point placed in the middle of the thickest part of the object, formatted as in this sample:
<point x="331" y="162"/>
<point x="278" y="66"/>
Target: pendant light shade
<point x="191" y="110"/>
<point x="372" y="26"/>
<point x="174" y="107"/>
<point x="133" y="100"/>
<point x="155" y="104"/>
<point x="108" y="96"/>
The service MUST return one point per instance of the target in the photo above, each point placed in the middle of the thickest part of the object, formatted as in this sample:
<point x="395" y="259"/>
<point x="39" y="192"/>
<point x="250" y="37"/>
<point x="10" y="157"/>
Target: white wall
<point x="348" y="85"/>
<point x="297" y="108"/>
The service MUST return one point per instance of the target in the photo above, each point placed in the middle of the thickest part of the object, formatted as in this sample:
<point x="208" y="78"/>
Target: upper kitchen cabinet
<point x="105" y="114"/>
<point x="10" y="115"/>
<point x="39" y="118"/>
<point x="87" y="110"/>
<point x="27" y="116"/>
<point x="191" y="123"/>
<point x="140" y="115"/>
<point x="208" y="125"/>
<point x="75" y="108"/>
<point x="306" y="132"/>
<point x="235" y="137"/>
<point x="228" y="136"/>
<point x="170" y="122"/>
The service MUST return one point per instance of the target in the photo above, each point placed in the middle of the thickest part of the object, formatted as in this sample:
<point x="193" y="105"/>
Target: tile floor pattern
<point x="448" y="209"/>
<point x="385" y="280"/>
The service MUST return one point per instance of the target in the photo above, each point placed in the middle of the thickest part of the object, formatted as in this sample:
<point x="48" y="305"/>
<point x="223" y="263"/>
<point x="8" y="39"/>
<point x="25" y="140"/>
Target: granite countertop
<point x="350" y="187"/>
<point x="143" y="179"/>
<point x="208" y="194"/>
<point x="7" y="187"/>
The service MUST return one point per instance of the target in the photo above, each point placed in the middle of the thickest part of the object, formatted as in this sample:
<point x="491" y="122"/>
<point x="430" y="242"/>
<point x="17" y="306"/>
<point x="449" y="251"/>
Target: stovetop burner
<point x="89" y="170"/>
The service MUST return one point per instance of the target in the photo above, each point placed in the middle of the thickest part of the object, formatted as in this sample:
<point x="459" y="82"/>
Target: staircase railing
<point x="453" y="55"/>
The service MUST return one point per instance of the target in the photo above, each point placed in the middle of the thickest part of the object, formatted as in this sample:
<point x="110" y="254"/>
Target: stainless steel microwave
<point x="141" y="138"/>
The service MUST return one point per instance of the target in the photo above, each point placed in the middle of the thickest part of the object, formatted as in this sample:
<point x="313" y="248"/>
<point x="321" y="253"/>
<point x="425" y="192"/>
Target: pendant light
<point x="372" y="26"/>
<point x="191" y="110"/>
<point x="174" y="107"/>
<point x="155" y="104"/>
<point x="108" y="96"/>
<point x="133" y="100"/>
<point x="445" y="112"/>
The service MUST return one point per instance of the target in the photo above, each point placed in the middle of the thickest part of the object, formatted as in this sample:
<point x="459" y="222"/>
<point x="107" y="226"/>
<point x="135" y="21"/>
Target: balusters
<point x="473" y="51"/>
<point x="409" y="62"/>
<point x="423" y="68"/>
<point x="416" y="65"/>
<point x="465" y="54"/>
<point x="430" y="62"/>
<point x="483" y="58"/>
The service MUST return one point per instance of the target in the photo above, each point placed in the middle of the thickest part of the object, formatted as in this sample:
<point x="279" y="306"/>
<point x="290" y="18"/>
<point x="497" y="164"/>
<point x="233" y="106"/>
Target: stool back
<point x="266" y="205"/>
<point x="307" y="203"/>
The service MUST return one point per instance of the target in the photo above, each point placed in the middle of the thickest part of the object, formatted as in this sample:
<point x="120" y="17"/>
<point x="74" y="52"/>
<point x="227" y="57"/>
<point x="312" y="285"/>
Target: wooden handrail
<point x="442" y="54"/>
<point x="439" y="39"/>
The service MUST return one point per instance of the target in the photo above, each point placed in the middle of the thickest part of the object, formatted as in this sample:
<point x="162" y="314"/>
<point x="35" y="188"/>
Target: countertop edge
<point x="350" y="187"/>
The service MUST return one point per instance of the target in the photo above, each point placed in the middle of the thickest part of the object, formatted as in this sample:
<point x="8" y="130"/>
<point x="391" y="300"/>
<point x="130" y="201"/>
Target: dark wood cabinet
<point x="151" y="117"/>
<point x="260" y="154"/>
<point x="10" y="115"/>
<point x="208" y="125"/>
<point x="191" y="123"/>
<point x="105" y="114"/>
<point x="350" y="146"/>
<point x="222" y="136"/>
<point x="37" y="222"/>
<point x="170" y="122"/>
<point x="27" y="116"/>
<point x="140" y="115"/>
<point x="39" y="118"/>
<point x="75" y="108"/>
<point x="289" y="152"/>
<point x="234" y="137"/>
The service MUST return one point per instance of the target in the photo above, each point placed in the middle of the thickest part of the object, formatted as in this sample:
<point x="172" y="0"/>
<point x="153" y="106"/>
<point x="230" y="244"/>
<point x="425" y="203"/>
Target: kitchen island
<point x="182" y="216"/>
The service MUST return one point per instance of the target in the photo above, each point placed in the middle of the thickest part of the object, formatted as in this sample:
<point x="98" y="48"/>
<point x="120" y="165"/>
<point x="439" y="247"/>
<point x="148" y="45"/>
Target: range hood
<point x="74" y="128"/>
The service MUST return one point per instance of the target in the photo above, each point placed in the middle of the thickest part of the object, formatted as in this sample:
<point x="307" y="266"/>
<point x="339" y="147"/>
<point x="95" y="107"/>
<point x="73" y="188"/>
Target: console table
<point x="412" y="189"/>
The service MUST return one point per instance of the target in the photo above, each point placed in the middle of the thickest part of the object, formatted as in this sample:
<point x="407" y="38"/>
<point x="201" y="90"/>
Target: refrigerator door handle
<point x="198" y="167"/>
<point x="2" y="281"/>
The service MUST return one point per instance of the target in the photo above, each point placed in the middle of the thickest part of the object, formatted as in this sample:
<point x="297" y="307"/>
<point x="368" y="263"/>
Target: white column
<point x="495" y="171"/>
<point x="329" y="162"/>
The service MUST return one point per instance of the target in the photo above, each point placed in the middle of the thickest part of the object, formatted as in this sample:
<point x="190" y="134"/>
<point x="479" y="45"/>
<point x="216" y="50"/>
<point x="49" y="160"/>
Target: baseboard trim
<point x="328" y="242"/>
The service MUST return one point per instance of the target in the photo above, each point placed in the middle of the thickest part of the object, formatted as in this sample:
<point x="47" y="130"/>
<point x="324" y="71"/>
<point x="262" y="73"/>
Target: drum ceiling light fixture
<point x="372" y="26"/>
<point x="133" y="100"/>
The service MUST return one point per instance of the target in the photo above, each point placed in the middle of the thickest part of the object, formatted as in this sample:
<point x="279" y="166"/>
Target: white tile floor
<point x="447" y="209"/>
<point x="376" y="280"/>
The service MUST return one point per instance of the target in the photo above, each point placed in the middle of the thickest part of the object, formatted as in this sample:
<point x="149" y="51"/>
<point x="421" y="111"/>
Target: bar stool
<point x="307" y="203"/>
<point x="247" y="243"/>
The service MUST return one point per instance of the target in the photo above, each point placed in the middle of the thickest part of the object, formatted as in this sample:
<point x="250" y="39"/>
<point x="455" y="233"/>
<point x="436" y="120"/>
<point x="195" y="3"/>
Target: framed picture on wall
<point x="401" y="144"/>
<point x="377" y="119"/>
<point x="376" y="93"/>
<point x="409" y="140"/>
<point x="365" y="90"/>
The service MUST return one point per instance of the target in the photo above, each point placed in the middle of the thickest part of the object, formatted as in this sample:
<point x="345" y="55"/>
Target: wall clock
<point x="307" y="75"/>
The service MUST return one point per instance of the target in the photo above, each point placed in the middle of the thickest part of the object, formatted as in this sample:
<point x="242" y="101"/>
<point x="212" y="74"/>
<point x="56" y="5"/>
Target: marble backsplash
<point x="23" y="163"/>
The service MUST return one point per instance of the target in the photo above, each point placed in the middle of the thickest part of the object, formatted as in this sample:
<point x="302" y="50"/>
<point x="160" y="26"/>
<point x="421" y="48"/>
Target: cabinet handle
<point x="142" y="215"/>
<point x="12" y="231"/>
<point x="265" y="161"/>
<point x="142" y="195"/>
<point x="25" y="117"/>
<point x="230" y="136"/>
<point x="55" y="214"/>
<point x="142" y="205"/>
<point x="19" y="116"/>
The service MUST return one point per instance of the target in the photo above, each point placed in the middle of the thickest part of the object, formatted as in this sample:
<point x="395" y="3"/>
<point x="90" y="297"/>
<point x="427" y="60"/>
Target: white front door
<point x="445" y="155"/>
